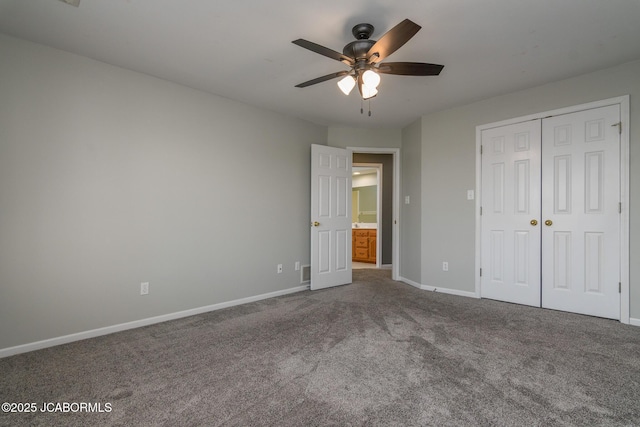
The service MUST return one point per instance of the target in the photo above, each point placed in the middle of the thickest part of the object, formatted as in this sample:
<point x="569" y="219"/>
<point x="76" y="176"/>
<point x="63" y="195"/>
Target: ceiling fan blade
<point x="325" y="51"/>
<point x="324" y="78"/>
<point x="392" y="40"/>
<point x="410" y="68"/>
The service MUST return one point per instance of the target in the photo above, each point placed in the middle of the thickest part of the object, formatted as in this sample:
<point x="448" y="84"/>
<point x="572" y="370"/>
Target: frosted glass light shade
<point x="346" y="84"/>
<point x="368" y="91"/>
<point x="371" y="78"/>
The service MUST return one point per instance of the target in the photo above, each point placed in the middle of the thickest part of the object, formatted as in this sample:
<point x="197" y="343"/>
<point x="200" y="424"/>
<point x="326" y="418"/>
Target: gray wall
<point x="342" y="137"/>
<point x="410" y="220"/>
<point x="109" y="178"/>
<point x="448" y="169"/>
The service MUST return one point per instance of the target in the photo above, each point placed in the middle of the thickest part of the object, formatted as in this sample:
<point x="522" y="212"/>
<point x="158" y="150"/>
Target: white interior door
<point x="580" y="210"/>
<point x="510" y="218"/>
<point x="330" y="217"/>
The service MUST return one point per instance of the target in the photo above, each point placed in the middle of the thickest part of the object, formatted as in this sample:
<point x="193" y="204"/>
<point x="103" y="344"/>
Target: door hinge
<point x="480" y="272"/>
<point x="481" y="150"/>
<point x="619" y="207"/>
<point x="480" y="210"/>
<point x="619" y="124"/>
<point x="619" y="287"/>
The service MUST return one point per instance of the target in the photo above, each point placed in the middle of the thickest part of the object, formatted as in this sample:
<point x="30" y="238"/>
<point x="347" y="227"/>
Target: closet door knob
<point x="534" y="222"/>
<point x="548" y="222"/>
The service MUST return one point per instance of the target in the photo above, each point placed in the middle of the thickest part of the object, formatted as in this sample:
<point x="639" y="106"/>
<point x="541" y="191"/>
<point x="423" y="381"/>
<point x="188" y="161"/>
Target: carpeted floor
<point x="373" y="353"/>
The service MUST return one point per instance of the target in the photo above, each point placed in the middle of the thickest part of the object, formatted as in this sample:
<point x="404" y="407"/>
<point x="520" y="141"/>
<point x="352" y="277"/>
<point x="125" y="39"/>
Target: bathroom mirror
<point x="364" y="195"/>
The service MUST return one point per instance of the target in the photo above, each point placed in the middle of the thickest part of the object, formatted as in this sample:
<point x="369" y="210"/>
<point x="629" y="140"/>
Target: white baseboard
<point x="632" y="321"/>
<point x="436" y="289"/>
<point x="441" y="290"/>
<point x="24" y="348"/>
<point x="411" y="282"/>
<point x="449" y="291"/>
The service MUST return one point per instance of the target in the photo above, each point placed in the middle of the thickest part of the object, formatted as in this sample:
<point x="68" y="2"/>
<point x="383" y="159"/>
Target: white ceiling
<point x="242" y="49"/>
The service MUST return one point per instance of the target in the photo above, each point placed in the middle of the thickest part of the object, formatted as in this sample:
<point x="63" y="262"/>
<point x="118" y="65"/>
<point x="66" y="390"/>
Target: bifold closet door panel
<point x="510" y="237"/>
<point x="580" y="212"/>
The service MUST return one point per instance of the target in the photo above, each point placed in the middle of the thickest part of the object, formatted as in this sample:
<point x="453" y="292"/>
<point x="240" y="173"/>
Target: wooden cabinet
<point x="363" y="245"/>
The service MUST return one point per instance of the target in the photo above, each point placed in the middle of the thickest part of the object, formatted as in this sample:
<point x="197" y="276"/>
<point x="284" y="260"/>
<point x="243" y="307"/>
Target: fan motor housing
<point x="362" y="31"/>
<point x="358" y="49"/>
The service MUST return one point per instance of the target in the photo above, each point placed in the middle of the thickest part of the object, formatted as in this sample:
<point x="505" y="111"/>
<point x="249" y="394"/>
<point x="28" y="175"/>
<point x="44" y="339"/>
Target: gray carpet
<point x="376" y="352"/>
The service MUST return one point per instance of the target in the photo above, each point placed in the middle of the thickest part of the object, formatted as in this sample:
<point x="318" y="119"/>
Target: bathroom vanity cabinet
<point x="363" y="245"/>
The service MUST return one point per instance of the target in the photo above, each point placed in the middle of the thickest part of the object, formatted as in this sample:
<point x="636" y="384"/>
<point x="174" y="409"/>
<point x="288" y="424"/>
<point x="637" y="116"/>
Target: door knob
<point x="315" y="223"/>
<point x="548" y="222"/>
<point x="534" y="222"/>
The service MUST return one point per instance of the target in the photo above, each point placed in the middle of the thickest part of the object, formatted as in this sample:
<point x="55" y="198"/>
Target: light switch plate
<point x="470" y="195"/>
<point x="407" y="200"/>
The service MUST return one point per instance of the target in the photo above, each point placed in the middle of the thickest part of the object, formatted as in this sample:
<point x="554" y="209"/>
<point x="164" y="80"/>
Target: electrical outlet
<point x="445" y="266"/>
<point x="297" y="267"/>
<point x="144" y="288"/>
<point x="279" y="268"/>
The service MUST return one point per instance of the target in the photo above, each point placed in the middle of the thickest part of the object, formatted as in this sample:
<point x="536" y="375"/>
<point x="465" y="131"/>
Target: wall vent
<point x="305" y="274"/>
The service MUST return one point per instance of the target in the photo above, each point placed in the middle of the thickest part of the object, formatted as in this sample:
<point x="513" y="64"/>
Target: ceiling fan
<point x="364" y="55"/>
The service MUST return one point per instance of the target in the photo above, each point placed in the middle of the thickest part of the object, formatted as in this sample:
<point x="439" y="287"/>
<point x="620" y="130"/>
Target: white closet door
<point x="511" y="213"/>
<point x="580" y="216"/>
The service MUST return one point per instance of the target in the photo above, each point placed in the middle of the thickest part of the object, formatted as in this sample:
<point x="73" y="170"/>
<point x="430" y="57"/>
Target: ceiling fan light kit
<point x="363" y="56"/>
<point x="346" y="84"/>
<point x="371" y="78"/>
<point x="368" y="92"/>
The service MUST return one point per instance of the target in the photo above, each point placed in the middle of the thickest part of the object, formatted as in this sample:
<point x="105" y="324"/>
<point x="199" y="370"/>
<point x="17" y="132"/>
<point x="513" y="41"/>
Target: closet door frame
<point x="623" y="102"/>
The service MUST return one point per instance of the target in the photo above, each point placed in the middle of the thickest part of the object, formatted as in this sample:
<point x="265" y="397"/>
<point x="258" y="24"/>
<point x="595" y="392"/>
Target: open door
<point x="330" y="217"/>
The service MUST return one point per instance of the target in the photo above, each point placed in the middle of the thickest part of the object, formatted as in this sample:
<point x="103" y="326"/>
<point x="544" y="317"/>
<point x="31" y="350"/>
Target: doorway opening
<point x="387" y="234"/>
<point x="366" y="214"/>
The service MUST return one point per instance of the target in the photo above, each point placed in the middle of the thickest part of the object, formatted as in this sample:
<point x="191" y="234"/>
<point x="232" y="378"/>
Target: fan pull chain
<point x="362" y="106"/>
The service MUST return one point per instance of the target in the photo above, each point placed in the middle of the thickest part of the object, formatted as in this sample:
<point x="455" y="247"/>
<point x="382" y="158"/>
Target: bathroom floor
<point x="357" y="265"/>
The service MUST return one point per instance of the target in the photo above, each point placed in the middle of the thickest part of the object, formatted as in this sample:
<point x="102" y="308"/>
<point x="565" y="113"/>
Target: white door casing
<point x="581" y="187"/>
<point x="510" y="218"/>
<point x="330" y="217"/>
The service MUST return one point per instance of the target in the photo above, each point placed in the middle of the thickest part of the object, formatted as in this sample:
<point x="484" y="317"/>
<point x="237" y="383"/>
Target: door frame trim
<point x="623" y="102"/>
<point x="395" y="226"/>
